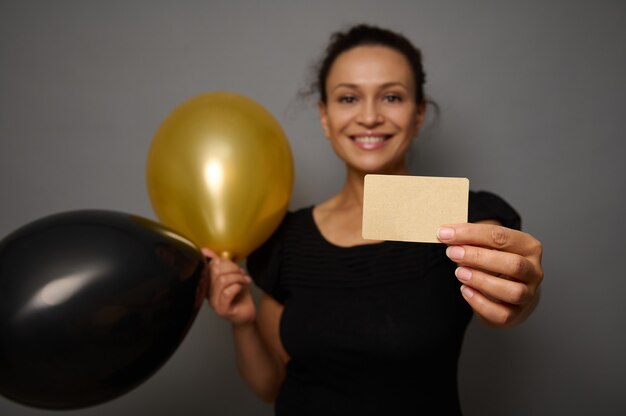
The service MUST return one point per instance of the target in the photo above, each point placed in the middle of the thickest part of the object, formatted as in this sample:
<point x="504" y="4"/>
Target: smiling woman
<point x="371" y="114"/>
<point x="353" y="326"/>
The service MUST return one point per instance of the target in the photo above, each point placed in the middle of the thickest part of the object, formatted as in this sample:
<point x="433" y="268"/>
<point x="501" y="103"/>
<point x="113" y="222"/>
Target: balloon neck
<point x="227" y="255"/>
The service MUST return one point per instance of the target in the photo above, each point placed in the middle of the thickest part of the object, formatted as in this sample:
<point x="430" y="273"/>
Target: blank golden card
<point x="412" y="208"/>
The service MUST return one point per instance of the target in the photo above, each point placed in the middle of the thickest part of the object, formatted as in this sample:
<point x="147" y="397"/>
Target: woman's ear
<point x="324" y="118"/>
<point x="421" y="113"/>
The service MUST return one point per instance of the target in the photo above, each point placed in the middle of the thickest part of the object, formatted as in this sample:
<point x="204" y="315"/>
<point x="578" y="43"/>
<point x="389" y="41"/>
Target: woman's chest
<point x="355" y="308"/>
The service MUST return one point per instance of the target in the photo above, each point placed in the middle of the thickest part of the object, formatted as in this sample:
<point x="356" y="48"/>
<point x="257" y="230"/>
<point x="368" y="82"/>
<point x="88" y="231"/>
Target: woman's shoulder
<point x="295" y="221"/>
<point x="264" y="263"/>
<point x="485" y="205"/>
<point x="299" y="214"/>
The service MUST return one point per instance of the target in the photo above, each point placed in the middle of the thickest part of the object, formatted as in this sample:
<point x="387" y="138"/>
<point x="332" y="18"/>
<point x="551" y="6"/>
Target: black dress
<point x="372" y="329"/>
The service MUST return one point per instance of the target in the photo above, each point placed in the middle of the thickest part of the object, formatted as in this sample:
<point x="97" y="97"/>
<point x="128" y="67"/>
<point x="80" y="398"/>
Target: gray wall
<point x="532" y="96"/>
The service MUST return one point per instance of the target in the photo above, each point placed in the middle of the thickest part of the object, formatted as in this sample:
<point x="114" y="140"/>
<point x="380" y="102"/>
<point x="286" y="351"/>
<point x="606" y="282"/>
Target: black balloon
<point x="92" y="303"/>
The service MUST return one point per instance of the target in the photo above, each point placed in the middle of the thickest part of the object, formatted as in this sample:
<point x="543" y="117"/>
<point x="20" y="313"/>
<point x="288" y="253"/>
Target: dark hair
<point x="362" y="35"/>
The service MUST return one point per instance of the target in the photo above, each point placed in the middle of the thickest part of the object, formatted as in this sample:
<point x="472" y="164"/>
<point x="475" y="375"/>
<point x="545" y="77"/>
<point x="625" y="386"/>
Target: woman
<point x="351" y="326"/>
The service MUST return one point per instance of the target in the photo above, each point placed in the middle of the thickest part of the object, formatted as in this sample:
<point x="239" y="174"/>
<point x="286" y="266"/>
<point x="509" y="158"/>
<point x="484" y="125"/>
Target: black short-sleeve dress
<point x="372" y="329"/>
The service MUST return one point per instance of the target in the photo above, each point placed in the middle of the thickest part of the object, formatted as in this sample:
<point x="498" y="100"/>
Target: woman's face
<point x="371" y="115"/>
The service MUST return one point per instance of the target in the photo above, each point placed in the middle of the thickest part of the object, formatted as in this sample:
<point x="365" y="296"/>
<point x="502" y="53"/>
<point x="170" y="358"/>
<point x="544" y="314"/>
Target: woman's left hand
<point x="500" y="270"/>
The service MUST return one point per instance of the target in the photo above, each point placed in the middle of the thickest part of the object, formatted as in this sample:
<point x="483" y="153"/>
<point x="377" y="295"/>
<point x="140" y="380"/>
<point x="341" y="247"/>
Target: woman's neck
<point x="351" y="195"/>
<point x="339" y="218"/>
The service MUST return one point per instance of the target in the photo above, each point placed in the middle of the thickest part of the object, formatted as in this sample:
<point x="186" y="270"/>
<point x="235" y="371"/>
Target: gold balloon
<point x="220" y="172"/>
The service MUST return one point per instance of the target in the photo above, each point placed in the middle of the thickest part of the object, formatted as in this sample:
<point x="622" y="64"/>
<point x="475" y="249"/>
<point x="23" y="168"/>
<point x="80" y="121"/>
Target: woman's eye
<point x="393" y="98"/>
<point x="347" y="99"/>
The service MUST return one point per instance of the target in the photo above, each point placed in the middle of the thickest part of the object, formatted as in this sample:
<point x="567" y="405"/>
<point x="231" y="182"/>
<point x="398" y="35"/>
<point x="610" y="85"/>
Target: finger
<point x="224" y="301"/>
<point x="493" y="287"/>
<point x="493" y="261"/>
<point x="221" y="301"/>
<point x="208" y="253"/>
<point x="490" y="236"/>
<point x="498" y="314"/>
<point x="221" y="266"/>
<point x="226" y="279"/>
<point x="223" y="281"/>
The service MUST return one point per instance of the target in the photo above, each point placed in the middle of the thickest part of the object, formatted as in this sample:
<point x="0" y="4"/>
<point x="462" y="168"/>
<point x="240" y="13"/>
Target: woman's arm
<point x="261" y="360"/>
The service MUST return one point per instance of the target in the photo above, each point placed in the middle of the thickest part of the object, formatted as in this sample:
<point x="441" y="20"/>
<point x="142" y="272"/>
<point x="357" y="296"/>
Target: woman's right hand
<point x="229" y="293"/>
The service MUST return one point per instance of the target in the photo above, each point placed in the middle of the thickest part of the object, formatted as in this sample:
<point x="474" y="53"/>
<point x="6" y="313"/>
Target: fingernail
<point x="248" y="278"/>
<point x="455" y="252"/>
<point x="467" y="292"/>
<point x="463" y="274"/>
<point x="445" y="233"/>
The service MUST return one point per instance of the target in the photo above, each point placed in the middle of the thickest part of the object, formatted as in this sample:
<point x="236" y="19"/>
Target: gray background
<point x="532" y="96"/>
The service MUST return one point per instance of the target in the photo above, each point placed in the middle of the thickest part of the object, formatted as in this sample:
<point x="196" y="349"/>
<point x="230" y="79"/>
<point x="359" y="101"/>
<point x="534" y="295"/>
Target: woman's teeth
<point x="369" y="139"/>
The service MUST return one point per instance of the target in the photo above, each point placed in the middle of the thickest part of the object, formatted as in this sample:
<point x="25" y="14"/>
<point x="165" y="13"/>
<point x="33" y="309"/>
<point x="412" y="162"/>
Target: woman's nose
<point x="369" y="115"/>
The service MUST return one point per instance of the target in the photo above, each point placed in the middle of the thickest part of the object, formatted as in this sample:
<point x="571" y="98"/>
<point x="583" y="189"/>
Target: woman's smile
<point x="370" y="141"/>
